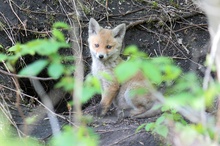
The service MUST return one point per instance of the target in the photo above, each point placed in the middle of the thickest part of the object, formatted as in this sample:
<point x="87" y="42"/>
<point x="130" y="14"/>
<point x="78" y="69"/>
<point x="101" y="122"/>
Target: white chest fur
<point x="107" y="66"/>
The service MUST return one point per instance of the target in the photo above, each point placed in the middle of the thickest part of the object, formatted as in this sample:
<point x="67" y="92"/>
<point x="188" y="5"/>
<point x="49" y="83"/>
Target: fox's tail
<point x="150" y="113"/>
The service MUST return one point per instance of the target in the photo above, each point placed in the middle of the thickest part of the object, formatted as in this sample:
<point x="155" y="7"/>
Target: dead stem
<point x="23" y="24"/>
<point x="18" y="98"/>
<point x="20" y="76"/>
<point x="36" y="99"/>
<point x="79" y="72"/>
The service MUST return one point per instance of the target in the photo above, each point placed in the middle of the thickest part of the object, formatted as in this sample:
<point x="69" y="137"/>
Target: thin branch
<point x="18" y="98"/>
<point x="211" y="61"/>
<point x="79" y="73"/>
<point x="24" y="25"/>
<point x="9" y="34"/>
<point x="5" y="110"/>
<point x="156" y="18"/>
<point x="21" y="76"/>
<point x="36" y="99"/>
<point x="106" y="10"/>
<point x="124" y="138"/>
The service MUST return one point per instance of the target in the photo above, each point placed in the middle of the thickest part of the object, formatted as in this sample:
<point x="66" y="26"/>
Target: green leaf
<point x="88" y="93"/>
<point x="81" y="136"/>
<point x="65" y="137"/>
<point x="160" y="120"/>
<point x="34" y="69"/>
<point x="126" y="70"/>
<point x="91" y="87"/>
<point x="152" y="72"/>
<point x="179" y="99"/>
<point x="138" y="92"/>
<point x="58" y="35"/>
<point x="162" y="130"/>
<point x="170" y="72"/>
<point x="15" y="48"/>
<point x="182" y="84"/>
<point x="13" y="58"/>
<point x="50" y="47"/>
<point x="134" y="52"/>
<point x="140" y="127"/>
<point x="165" y="108"/>
<point x="61" y="25"/>
<point x="162" y="60"/>
<point x="67" y="83"/>
<point x="178" y="117"/>
<point x="106" y="75"/>
<point x="55" y="70"/>
<point x="93" y="82"/>
<point x="199" y="128"/>
<point x="28" y="48"/>
<point x="198" y="103"/>
<point x="3" y="57"/>
<point x="149" y="126"/>
<point x="131" y="50"/>
<point x="154" y="4"/>
<point x="211" y="93"/>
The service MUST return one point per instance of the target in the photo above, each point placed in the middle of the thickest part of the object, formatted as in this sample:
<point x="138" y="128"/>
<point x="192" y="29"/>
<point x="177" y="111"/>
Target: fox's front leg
<point x="110" y="92"/>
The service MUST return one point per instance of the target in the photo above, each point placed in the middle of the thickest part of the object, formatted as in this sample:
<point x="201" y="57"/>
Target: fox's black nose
<point x="101" y="56"/>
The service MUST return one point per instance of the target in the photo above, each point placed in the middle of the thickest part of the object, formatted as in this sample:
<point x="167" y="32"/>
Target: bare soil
<point x="176" y="28"/>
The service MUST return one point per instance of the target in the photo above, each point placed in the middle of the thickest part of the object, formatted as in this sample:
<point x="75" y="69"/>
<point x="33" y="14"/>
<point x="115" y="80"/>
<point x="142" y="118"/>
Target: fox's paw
<point x="124" y="113"/>
<point x="101" y="111"/>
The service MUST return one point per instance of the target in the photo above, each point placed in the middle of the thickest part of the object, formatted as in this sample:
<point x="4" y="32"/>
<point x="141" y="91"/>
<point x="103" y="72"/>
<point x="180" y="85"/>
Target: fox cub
<point x="105" y="46"/>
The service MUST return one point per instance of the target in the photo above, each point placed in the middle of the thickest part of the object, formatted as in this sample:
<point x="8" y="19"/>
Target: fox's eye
<point x="108" y="47"/>
<point x="96" y="45"/>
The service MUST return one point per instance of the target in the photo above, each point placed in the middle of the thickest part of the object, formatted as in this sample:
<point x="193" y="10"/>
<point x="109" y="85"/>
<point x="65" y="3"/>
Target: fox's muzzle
<point x="101" y="56"/>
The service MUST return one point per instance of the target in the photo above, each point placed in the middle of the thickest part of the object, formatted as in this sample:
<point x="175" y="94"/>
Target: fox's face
<point x="105" y="43"/>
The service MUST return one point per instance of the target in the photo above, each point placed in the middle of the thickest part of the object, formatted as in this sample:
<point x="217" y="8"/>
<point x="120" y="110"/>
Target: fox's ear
<point x="119" y="31"/>
<point x="93" y="26"/>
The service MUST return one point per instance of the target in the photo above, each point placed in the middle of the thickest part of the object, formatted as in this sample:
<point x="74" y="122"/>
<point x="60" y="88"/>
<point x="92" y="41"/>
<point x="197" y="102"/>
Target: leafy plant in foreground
<point x="180" y="91"/>
<point x="54" y="62"/>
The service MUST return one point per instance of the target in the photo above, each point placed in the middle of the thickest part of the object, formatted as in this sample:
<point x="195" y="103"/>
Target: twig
<point x="9" y="34"/>
<point x="23" y="94"/>
<point x="24" y="26"/>
<point x="215" y="42"/>
<point x="127" y="13"/>
<point x="173" y="43"/>
<point x="32" y="31"/>
<point x="156" y="18"/>
<point x="106" y="10"/>
<point x="115" y="130"/>
<point x="124" y="138"/>
<point x="79" y="73"/>
<point x="21" y="76"/>
<point x="5" y="110"/>
<point x="18" y="98"/>
<point x="191" y="25"/>
<point x="38" y="12"/>
<point x="102" y="5"/>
